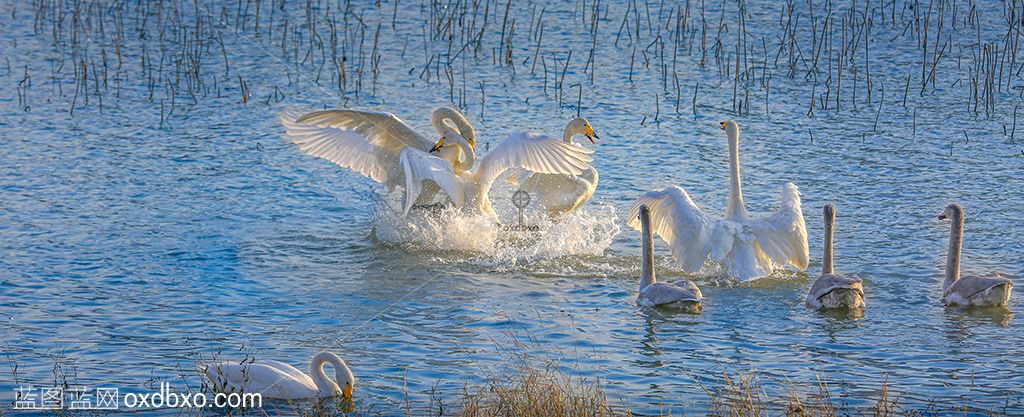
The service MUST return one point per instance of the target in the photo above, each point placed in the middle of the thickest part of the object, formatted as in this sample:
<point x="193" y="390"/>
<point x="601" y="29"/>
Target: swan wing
<point x="558" y="193"/>
<point x="690" y="233"/>
<point x="783" y="235"/>
<point x="363" y="141"/>
<point x="829" y="282"/>
<point x="534" y="152"/>
<point x="660" y="293"/>
<point x="259" y="378"/>
<point x="519" y="177"/>
<point x="971" y="285"/>
<point x="287" y="369"/>
<point x="420" y="169"/>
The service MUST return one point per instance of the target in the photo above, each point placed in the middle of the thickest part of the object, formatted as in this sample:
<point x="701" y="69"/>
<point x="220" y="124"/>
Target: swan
<point x="832" y="290"/>
<point x="278" y="380"/>
<point x="970" y="291"/>
<point x="370" y="143"/>
<point x="682" y="294"/>
<point x="748" y="248"/>
<point x="469" y="189"/>
<point x="560" y="193"/>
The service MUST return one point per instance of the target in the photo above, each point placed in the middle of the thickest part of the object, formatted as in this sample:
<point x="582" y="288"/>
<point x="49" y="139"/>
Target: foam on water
<point x="499" y="246"/>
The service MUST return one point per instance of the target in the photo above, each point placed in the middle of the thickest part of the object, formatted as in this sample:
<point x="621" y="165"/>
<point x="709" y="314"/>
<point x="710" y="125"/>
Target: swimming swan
<point x="370" y="143"/>
<point x="748" y="248"/>
<point x="560" y="193"/>
<point x="682" y="294"/>
<point x="469" y="189"/>
<point x="831" y="290"/>
<point x="278" y="380"/>
<point x="970" y="291"/>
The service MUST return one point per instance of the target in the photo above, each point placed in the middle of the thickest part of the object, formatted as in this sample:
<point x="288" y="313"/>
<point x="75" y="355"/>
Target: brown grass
<point x="548" y="391"/>
<point x="532" y="387"/>
<point x="539" y="391"/>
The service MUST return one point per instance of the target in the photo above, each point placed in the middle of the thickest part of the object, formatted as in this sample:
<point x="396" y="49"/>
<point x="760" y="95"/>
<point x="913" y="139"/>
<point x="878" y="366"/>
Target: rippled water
<point x="134" y="247"/>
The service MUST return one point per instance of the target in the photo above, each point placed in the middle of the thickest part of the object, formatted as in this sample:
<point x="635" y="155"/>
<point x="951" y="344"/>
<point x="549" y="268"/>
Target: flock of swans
<point x="384" y="148"/>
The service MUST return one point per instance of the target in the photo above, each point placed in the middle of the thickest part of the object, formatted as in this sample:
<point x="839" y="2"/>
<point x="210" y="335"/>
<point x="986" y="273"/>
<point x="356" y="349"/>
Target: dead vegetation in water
<point x="835" y="55"/>
<point x="547" y="391"/>
<point x="530" y="386"/>
<point x="543" y="390"/>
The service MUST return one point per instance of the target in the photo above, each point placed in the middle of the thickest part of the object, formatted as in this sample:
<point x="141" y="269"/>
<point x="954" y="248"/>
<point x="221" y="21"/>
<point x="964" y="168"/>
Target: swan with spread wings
<point x="557" y="193"/>
<point x="371" y="142"/>
<point x="748" y="248"/>
<point x="469" y="189"/>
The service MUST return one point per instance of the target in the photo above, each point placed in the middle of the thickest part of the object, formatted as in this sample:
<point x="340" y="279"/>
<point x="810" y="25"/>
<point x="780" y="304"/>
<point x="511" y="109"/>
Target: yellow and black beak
<point x="440" y="144"/>
<point x="589" y="133"/>
<point x="721" y="125"/>
<point x="347" y="391"/>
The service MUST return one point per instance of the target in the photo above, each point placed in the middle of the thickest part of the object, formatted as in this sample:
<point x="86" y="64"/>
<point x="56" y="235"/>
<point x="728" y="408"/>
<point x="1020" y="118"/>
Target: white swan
<point x="370" y="142"/>
<point x="560" y="193"/>
<point x="831" y="290"/>
<point x="682" y="294"/>
<point x="278" y="380"/>
<point x="748" y="248"/>
<point x="469" y="189"/>
<point x="970" y="291"/>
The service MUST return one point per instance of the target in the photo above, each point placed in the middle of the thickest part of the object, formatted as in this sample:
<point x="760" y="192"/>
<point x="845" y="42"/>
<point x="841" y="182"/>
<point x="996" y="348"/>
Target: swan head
<point x="645" y="213"/>
<point x="450" y="138"/>
<point x="469" y="136"/>
<point x="829" y="211"/>
<point x="446" y="117"/>
<point x="580" y="126"/>
<point x="438" y="146"/>
<point x="343" y="377"/>
<point x="731" y="128"/>
<point x="349" y="382"/>
<point x="951" y="211"/>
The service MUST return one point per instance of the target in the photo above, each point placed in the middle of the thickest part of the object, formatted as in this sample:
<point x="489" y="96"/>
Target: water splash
<point x="479" y="239"/>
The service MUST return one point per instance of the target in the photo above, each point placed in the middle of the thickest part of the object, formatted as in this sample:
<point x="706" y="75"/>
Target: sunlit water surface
<point x="131" y="252"/>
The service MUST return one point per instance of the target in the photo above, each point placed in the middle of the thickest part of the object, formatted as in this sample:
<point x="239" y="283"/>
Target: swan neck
<point x="316" y="371"/>
<point x="956" y="237"/>
<point x="343" y="377"/>
<point x="570" y="131"/>
<point x="736" y="208"/>
<point x="437" y="121"/>
<point x="447" y="121"/>
<point x="466" y="163"/>
<point x="826" y="265"/>
<point x="647" y="267"/>
<point x="442" y="114"/>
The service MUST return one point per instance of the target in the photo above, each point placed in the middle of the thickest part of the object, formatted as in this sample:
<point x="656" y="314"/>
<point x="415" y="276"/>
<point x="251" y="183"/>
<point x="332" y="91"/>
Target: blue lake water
<point x="138" y="242"/>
